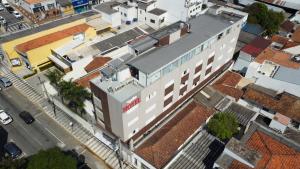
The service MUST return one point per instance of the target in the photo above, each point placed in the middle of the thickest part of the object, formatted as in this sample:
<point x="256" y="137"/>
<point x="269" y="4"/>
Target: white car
<point x="1" y="8"/>
<point x="5" y="118"/>
<point x="6" y="5"/>
<point x="17" y="14"/>
<point x="2" y="20"/>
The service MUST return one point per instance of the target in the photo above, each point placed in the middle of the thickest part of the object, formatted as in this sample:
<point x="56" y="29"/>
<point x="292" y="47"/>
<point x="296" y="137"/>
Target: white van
<point x="5" y="3"/>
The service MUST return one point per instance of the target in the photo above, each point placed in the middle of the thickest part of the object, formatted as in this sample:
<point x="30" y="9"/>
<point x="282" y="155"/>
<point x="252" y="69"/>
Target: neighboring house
<point x="80" y="5"/>
<point x="158" y="84"/>
<point x="156" y="18"/>
<point x="65" y="7"/>
<point x="34" y="6"/>
<point x="182" y="10"/>
<point x="109" y="13"/>
<point x="260" y="148"/>
<point x="254" y="29"/>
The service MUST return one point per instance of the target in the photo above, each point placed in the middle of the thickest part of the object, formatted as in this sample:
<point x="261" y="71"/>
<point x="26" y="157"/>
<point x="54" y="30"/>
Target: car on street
<point x="10" y="9"/>
<point x="5" y="118"/>
<point x="17" y="14"/>
<point x="6" y="5"/>
<point x="5" y="82"/>
<point x="27" y="117"/>
<point x="12" y="150"/>
<point x="2" y="20"/>
<point x="1" y="8"/>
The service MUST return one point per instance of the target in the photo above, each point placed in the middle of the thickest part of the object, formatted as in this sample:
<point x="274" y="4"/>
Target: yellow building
<point x="33" y="50"/>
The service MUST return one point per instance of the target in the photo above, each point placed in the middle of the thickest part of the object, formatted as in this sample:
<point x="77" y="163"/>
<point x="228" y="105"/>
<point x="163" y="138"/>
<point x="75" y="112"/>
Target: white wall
<point x="114" y="19"/>
<point x="127" y="14"/>
<point x="142" y="14"/>
<point x="157" y="20"/>
<point x="278" y="126"/>
<point x="78" y="69"/>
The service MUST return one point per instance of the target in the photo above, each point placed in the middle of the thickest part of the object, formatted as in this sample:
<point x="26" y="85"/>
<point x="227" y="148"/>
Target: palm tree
<point x="65" y="89"/>
<point x="54" y="76"/>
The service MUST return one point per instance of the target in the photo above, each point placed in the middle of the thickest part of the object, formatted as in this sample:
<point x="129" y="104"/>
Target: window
<point x="169" y="89"/>
<point x="198" y="68"/>
<point x="162" y="20"/>
<point x="121" y="13"/>
<point x="220" y="36"/>
<point x="228" y="31"/>
<point x="210" y="60"/>
<point x="196" y="80"/>
<point x="208" y="71"/>
<point x="145" y="18"/>
<point x="168" y="101"/>
<point x="125" y="14"/>
<point x="152" y="20"/>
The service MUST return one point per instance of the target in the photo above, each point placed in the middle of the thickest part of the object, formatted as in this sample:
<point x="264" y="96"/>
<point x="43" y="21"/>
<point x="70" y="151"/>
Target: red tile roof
<point x="276" y="56"/>
<point x="287" y="104"/>
<point x="296" y="35"/>
<point x="96" y="63"/>
<point x="255" y="47"/>
<point x="287" y="26"/>
<point x="163" y="145"/>
<point x="85" y="81"/>
<point x="50" y="38"/>
<point x="286" y="42"/>
<point x="275" y="155"/>
<point x="227" y="84"/>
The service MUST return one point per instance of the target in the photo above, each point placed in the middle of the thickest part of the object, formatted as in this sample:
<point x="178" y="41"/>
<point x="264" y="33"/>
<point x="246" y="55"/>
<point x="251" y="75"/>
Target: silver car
<point x="2" y="20"/>
<point x="5" y="82"/>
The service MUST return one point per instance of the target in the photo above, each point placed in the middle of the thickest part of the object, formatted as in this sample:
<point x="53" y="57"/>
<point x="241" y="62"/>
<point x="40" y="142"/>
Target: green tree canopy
<point x="54" y="76"/>
<point x="51" y="159"/>
<point x="223" y="125"/>
<point x="268" y="19"/>
<point x="13" y="164"/>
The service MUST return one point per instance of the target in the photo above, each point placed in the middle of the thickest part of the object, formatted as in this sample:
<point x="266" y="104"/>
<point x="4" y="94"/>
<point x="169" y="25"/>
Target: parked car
<point x="5" y="82"/>
<point x="9" y="9"/>
<point x="1" y="8"/>
<point x="26" y="116"/>
<point x="5" y="118"/>
<point x="6" y="5"/>
<point x="17" y="14"/>
<point x="12" y="150"/>
<point x="2" y="20"/>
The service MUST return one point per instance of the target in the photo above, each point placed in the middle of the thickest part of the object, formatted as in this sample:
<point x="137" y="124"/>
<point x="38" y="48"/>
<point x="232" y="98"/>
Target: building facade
<point x="165" y="68"/>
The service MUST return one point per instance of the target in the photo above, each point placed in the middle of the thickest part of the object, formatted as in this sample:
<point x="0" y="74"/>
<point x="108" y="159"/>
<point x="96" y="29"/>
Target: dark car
<point x="10" y="9"/>
<point x="5" y="82"/>
<point x="12" y="150"/>
<point x="26" y="116"/>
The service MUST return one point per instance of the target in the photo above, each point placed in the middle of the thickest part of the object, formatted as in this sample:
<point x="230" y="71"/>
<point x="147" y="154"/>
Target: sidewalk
<point x="85" y="137"/>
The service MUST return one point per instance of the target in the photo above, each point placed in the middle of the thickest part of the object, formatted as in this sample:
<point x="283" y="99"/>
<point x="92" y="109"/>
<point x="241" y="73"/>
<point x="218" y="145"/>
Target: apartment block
<point x="137" y="90"/>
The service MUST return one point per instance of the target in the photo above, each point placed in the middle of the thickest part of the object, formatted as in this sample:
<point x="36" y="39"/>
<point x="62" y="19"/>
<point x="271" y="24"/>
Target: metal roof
<point x="288" y="75"/>
<point x="157" y="11"/>
<point x="202" y="28"/>
<point x="107" y="7"/>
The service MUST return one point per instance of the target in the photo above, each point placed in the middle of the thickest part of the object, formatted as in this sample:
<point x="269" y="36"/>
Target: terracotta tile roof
<point x="255" y="47"/>
<point x="96" y="63"/>
<point x="85" y="81"/>
<point x="287" y="104"/>
<point x="276" y="56"/>
<point x="34" y="1"/>
<point x="282" y="119"/>
<point x="274" y="153"/>
<point x="50" y="38"/>
<point x="227" y="84"/>
<point x="284" y="41"/>
<point x="296" y="35"/>
<point x="163" y="145"/>
<point x="287" y="26"/>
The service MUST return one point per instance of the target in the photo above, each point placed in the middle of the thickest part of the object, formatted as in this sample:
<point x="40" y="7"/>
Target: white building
<point x="34" y="6"/>
<point x="156" y="18"/>
<point x="182" y="9"/>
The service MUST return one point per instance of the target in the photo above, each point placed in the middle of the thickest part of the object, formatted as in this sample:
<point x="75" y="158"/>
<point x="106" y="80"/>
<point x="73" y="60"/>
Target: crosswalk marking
<point x="17" y="26"/>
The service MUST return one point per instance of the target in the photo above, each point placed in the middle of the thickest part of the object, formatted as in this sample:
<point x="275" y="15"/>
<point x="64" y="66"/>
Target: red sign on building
<point x="131" y="104"/>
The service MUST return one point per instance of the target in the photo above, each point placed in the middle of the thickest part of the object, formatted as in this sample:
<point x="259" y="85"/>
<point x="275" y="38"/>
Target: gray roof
<point x="46" y="26"/>
<point x="214" y="97"/>
<point x="200" y="153"/>
<point x="157" y="11"/>
<point x="118" y="40"/>
<point x="288" y="75"/>
<point x="144" y="5"/>
<point x="202" y="28"/>
<point x="243" y="114"/>
<point x="107" y="7"/>
<point x="64" y="3"/>
<point x="242" y="62"/>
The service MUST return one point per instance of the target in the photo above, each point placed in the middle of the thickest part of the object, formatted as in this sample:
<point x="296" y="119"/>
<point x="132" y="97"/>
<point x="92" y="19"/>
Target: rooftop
<point x="96" y="63"/>
<point x="85" y="81"/>
<point x="201" y="152"/>
<point x="288" y="75"/>
<point x="279" y="57"/>
<point x="157" y="11"/>
<point x="214" y="24"/>
<point x="118" y="40"/>
<point x="50" y="38"/>
<point x="164" y="144"/>
<point x="285" y="42"/>
<point x="243" y="114"/>
<point x="287" y="26"/>
<point x="274" y="153"/>
<point x="255" y="29"/>
<point x="227" y="84"/>
<point x="296" y="35"/>
<point x="209" y="97"/>
<point x="256" y="46"/>
<point x="285" y="103"/>
<point x="107" y="7"/>
<point x="144" y="5"/>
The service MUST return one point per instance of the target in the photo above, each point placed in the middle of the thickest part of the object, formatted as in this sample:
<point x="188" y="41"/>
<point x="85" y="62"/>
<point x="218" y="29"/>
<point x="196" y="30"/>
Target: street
<point x="43" y="133"/>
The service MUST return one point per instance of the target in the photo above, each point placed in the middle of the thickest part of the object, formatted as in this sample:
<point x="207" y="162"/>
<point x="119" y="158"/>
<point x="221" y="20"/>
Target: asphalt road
<point x="43" y="133"/>
<point x="30" y="138"/>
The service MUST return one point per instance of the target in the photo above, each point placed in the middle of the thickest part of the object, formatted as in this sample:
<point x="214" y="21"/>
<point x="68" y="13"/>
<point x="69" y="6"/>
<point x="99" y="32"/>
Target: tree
<point x="52" y="158"/>
<point x="9" y="163"/>
<point x="223" y="125"/>
<point x="268" y="19"/>
<point x="54" y="76"/>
